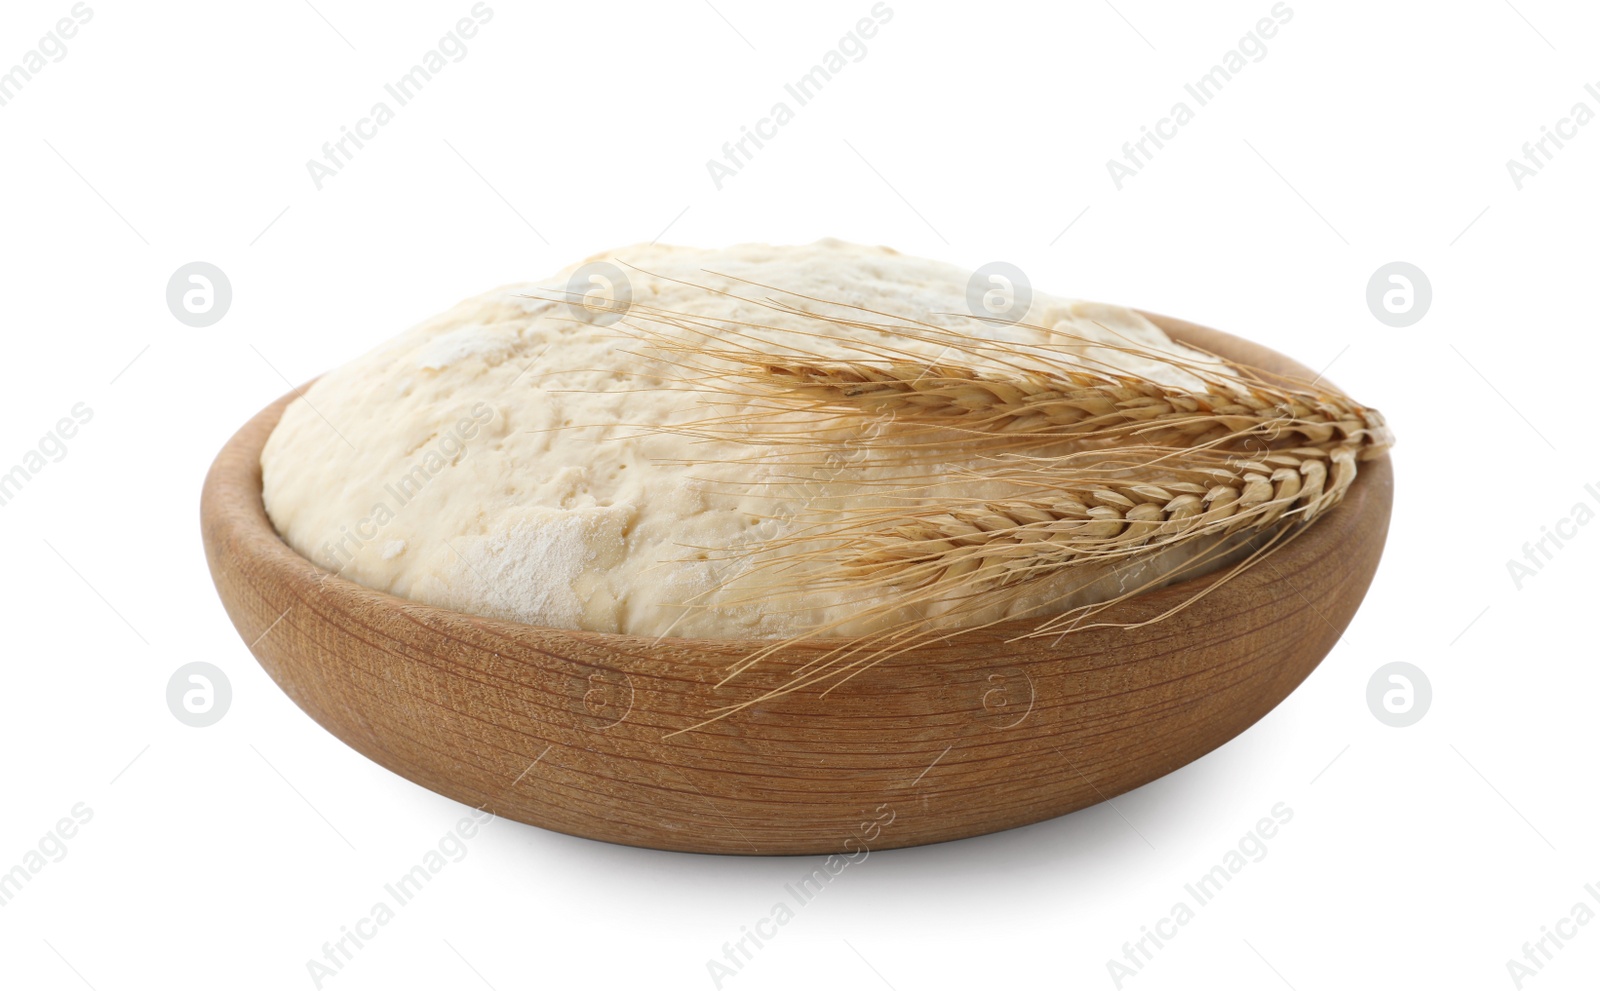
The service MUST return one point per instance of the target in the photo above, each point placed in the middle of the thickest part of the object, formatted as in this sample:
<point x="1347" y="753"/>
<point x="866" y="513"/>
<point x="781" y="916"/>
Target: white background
<point x="1370" y="132"/>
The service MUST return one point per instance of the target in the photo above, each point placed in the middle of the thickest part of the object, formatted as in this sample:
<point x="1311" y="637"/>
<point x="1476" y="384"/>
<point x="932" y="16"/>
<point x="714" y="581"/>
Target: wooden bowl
<point x="564" y="729"/>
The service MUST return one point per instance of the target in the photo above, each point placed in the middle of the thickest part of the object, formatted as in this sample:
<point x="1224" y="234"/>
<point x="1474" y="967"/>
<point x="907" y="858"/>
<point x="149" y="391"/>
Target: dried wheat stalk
<point x="1060" y="403"/>
<point x="1084" y="520"/>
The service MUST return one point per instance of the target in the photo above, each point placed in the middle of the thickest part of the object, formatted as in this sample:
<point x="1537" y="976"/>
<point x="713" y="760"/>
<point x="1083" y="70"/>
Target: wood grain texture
<point x="564" y="729"/>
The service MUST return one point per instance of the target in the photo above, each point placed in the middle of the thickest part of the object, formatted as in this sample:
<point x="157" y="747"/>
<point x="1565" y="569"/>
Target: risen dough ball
<point x="498" y="458"/>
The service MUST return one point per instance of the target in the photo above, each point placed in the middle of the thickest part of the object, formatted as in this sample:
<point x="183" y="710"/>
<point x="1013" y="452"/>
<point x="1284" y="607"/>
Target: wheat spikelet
<point x="1027" y="396"/>
<point x="1067" y="403"/>
<point x="1080" y="520"/>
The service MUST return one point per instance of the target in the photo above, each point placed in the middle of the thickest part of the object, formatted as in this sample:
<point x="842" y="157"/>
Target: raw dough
<point x="493" y="459"/>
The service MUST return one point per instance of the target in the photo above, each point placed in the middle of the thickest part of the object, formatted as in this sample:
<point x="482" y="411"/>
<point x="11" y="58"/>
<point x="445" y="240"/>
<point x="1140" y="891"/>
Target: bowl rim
<point x="232" y="498"/>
